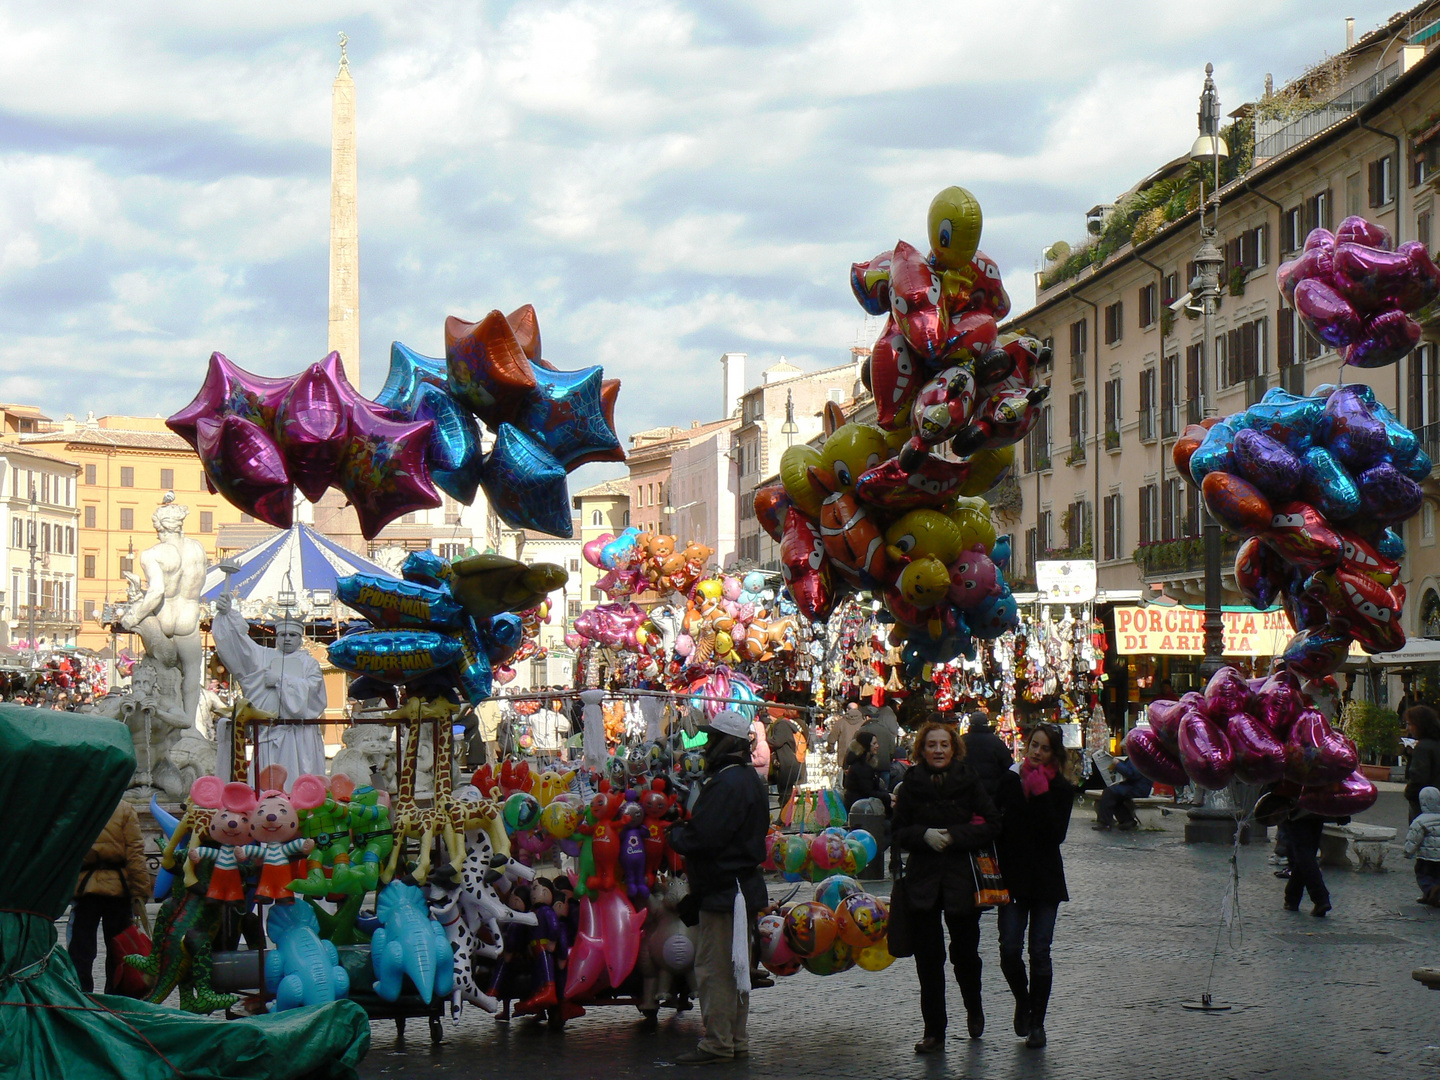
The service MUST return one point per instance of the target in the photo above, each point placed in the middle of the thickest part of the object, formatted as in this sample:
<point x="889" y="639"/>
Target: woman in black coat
<point x="941" y="815"/>
<point x="784" y="756"/>
<point x="1034" y="799"/>
<point x="862" y="778"/>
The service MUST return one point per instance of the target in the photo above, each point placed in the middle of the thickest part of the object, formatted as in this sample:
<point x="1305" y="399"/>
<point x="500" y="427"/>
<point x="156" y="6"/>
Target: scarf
<point x="1035" y="780"/>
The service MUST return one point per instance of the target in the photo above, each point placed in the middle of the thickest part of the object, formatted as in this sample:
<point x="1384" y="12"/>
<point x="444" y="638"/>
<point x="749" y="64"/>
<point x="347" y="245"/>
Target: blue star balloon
<point x="565" y="414"/>
<point x="454" y="451"/>
<point x="408" y="372"/>
<point x="526" y="484"/>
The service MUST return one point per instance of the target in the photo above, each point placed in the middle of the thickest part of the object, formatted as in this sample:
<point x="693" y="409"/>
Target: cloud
<point x="665" y="181"/>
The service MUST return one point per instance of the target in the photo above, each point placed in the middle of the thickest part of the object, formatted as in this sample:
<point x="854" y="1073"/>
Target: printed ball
<point x="522" y="811"/>
<point x="678" y="953"/>
<point x="875" y="958"/>
<point x="836" y="888"/>
<point x="867" y="841"/>
<point x="839" y="957"/>
<point x="855" y="857"/>
<point x="827" y="851"/>
<point x="775" y="954"/>
<point x="862" y="920"/>
<point x="794" y="855"/>
<point x="560" y="820"/>
<point x="810" y="929"/>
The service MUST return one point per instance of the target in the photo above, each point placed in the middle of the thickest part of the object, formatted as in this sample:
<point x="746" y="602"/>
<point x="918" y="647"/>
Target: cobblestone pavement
<point x="1310" y="997"/>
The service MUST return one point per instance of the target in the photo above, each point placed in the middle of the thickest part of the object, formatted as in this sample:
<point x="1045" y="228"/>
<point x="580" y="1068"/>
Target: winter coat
<point x="886" y="730"/>
<point x="1031" y="832"/>
<point x="782" y="744"/>
<point x="1424" y="768"/>
<point x="759" y="750"/>
<point x="862" y="781"/>
<point x="723" y="842"/>
<point x="1423" y="839"/>
<point x="948" y="800"/>
<point x="988" y="756"/>
<point x="116" y="861"/>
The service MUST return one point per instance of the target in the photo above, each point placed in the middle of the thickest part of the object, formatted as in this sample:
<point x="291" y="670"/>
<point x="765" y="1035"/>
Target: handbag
<point x="898" y="935"/>
<point x="124" y="979"/>
<point x="990" y="888"/>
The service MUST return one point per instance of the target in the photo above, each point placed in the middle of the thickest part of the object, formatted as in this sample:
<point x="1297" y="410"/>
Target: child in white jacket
<point x="1422" y="843"/>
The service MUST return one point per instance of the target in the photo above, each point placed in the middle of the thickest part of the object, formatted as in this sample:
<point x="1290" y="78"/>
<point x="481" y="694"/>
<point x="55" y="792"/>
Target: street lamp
<point x="33" y="586"/>
<point x="1206" y="288"/>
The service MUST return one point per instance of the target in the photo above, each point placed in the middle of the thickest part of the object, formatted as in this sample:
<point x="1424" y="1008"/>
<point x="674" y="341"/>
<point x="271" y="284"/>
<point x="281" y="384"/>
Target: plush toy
<point x="229" y="829"/>
<point x="409" y="942"/>
<point x="302" y="969"/>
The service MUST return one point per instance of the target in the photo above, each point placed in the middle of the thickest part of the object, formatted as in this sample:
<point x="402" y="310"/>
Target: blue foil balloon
<point x="391" y="604"/>
<point x="566" y="414"/>
<point x="617" y="551"/>
<point x="394" y="656"/>
<point x="994" y="617"/>
<point x="476" y="674"/>
<point x="454" y="450"/>
<point x="426" y="567"/>
<point x="1213" y="455"/>
<point x="408" y="372"/>
<point x="1391" y="544"/>
<point x="1286" y="418"/>
<point x="526" y="484"/>
<point x="1419" y="466"/>
<point x="500" y="635"/>
<point x="1326" y="485"/>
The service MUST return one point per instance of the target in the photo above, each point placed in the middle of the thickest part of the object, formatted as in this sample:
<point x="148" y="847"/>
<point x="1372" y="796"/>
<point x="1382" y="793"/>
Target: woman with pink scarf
<point x="1034" y="798"/>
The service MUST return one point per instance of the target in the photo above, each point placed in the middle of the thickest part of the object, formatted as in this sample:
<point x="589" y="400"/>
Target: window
<point x="1047" y="532"/>
<point x="1317" y="213"/>
<point x="89" y="609"/>
<point x="1284" y="337"/>
<point x="89" y="474"/>
<point x="574" y="566"/>
<point x="1422" y="228"/>
<point x="1310" y="346"/>
<point x="836" y="394"/>
<point x="1077" y="526"/>
<point x="1037" y="443"/>
<point x="1427" y="520"/>
<point x="1422" y="396"/>
<point x="407" y="519"/>
<point x="69" y="540"/>
<point x="1170" y="288"/>
<point x="1240" y="354"/>
<point x="573" y="609"/>
<point x="127" y="519"/>
<point x="1114" y="541"/>
<point x="1352" y="195"/>
<point x="89" y="566"/>
<point x="1078" y="413"/>
<point x="1423" y="162"/>
<point x="1382" y="181"/>
<point x="1292" y="229"/>
<point x="17" y="533"/>
<point x="1149" y="513"/>
<point x="1112" y="414"/>
<point x="1032" y="551"/>
<point x="167" y="479"/>
<point x="1249" y="251"/>
<point x="1114" y="322"/>
<point x="207" y="521"/>
<point x="1078" y="334"/>
<point x="1147" y="306"/>
<point x="1170" y="394"/>
<point x="127" y="476"/>
<point x="1147" y="404"/>
<point x="1171" y="510"/>
<point x="597" y="518"/>
<point x="1194" y="356"/>
<point x="45" y="536"/>
<point x="625" y="524"/>
<point x="127" y="564"/>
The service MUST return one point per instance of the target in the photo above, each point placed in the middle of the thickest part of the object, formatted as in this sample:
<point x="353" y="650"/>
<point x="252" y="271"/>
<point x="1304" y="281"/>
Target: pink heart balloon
<point x="1226" y="694"/>
<point x="592" y="549"/>
<point x="1205" y="752"/>
<point x="1345" y="798"/>
<point x="1164" y="717"/>
<point x="1259" y="755"/>
<point x="1279" y="702"/>
<point x="1317" y="754"/>
<point x="1149" y="755"/>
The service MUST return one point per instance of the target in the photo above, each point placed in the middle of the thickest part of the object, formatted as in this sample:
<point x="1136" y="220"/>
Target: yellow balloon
<point x="853" y="449"/>
<point x="988" y="468"/>
<point x="641" y="636"/>
<point x="925" y="532"/>
<point x="972" y="516"/>
<point x="954" y="225"/>
<point x="875" y="957"/>
<point x="711" y="588"/>
<point x="723" y="643"/>
<point x="924" y="582"/>
<point x="795" y="465"/>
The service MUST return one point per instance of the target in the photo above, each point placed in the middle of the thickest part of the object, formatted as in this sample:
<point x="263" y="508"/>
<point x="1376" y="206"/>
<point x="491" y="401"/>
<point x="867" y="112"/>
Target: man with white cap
<point x="285" y="681"/>
<point x="723" y="843"/>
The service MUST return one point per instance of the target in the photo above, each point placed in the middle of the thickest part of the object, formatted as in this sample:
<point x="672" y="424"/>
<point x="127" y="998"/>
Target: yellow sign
<point x="1180" y="631"/>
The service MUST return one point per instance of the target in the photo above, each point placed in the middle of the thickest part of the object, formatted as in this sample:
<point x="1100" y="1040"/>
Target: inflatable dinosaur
<point x="302" y="969"/>
<point x="185" y="930"/>
<point x="409" y="942"/>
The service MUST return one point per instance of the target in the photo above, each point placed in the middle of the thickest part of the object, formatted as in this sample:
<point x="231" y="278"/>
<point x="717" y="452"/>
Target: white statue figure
<point x="368" y="756"/>
<point x="285" y="681"/>
<point x="167" y="616"/>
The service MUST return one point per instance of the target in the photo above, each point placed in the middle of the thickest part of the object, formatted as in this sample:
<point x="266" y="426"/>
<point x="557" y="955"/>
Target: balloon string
<point x="1232" y="918"/>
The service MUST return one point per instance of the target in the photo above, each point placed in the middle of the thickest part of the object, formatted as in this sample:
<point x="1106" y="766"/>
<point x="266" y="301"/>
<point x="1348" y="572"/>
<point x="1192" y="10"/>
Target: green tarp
<point x="61" y="775"/>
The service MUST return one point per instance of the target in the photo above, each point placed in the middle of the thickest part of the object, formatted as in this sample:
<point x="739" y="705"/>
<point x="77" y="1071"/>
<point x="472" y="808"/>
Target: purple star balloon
<point x="243" y="464"/>
<point x="230" y="390"/>
<point x="311" y="428"/>
<point x="383" y="470"/>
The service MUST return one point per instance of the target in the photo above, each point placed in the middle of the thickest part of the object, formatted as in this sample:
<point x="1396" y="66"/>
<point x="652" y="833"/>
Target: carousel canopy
<point x="312" y="561"/>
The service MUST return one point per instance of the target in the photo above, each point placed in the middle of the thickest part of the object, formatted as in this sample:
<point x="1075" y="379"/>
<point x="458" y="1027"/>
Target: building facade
<point x="704" y="492"/>
<point x="600" y="509"/>
<point x="40" y="526"/>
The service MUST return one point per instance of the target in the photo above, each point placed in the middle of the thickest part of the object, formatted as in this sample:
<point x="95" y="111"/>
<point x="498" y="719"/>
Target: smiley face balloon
<point x="954" y="224"/>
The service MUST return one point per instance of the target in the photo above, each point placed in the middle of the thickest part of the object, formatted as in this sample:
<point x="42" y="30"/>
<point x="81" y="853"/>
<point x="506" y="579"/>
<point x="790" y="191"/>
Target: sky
<point x="664" y="181"/>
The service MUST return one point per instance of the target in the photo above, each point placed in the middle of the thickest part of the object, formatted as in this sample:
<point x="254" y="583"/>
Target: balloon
<point x="1149" y="755"/>
<point x="1279" y="703"/>
<point x="394" y="656"/>
<point x="1327" y="485"/>
<point x="795" y="465"/>
<point x="1316" y="754"/>
<point x="243" y="464"/>
<point x="1259" y="757"/>
<point x="827" y="851"/>
<point x="1267" y="464"/>
<point x="805" y="566"/>
<point x="388" y="603"/>
<point x="794" y="852"/>
<point x="771" y="503"/>
<point x="954" y="222"/>
<point x="311" y="429"/>
<point x="1301" y="537"/>
<point x="487" y="368"/>
<point x="870" y="282"/>
<point x="1164" y="719"/>
<point x="585" y="963"/>
<point x="931" y="484"/>
<point x="862" y="920"/>
<point x="895" y="375"/>
<point x="1327" y="314"/>
<point x="1344" y="798"/>
<point x="521" y="811"/>
<point x="875" y="958"/>
<point x="775" y="953"/>
<point x="1226" y="694"/>
<point x="1205" y="752"/>
<point x="526" y="484"/>
<point x="810" y="929"/>
<point x="566" y="415"/>
<point x="1315" y="652"/>
<point x="1214" y="453"/>
<point x="868" y="842"/>
<point x="382" y="468"/>
<point x="620" y="926"/>
<point x="1237" y="504"/>
<point x="1190" y="440"/>
<point x="915" y="302"/>
<point x="1387" y="494"/>
<point x="560" y="819"/>
<point x="835" y="888"/>
<point x="453" y="453"/>
<point x="1351" y="429"/>
<point x="1375" y="279"/>
<point x="837" y="958"/>
<point x="230" y="390"/>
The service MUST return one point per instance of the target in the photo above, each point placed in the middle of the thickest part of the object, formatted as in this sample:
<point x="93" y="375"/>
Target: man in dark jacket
<point x="1118" y="799"/>
<point x="724" y="844"/>
<point x="986" y="753"/>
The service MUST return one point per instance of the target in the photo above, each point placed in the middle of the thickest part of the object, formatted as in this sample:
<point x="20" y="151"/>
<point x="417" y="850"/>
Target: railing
<point x="1077" y="368"/>
<point x="1112" y="439"/>
<point x="1147" y="425"/>
<point x="1429" y="437"/>
<point x="1077" y="452"/>
<point x="46" y="614"/>
<point x="1169" y="420"/>
<point x="1255" y="388"/>
<point x="1194" y="411"/>
<point x="1186" y="555"/>
<point x="1292" y="379"/>
<point x="1283" y="137"/>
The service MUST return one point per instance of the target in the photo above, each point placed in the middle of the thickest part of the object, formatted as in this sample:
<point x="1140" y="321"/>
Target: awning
<point x="1415" y="651"/>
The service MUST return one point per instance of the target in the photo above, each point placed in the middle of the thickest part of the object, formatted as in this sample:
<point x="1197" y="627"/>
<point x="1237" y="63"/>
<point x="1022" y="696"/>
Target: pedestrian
<point x="843" y="728"/>
<point x="760" y="750"/>
<point x="986" y="753"/>
<point x="1035" y="799"/>
<point x="942" y="814"/>
<point x="863" y="778"/>
<point x="1118" y="799"/>
<point x="1305" y="831"/>
<point x="723" y="844"/>
<point x="1423" y="768"/>
<point x="113" y="878"/>
<point x="886" y="730"/>
<point x="1422" y="843"/>
<point x="784" y="755"/>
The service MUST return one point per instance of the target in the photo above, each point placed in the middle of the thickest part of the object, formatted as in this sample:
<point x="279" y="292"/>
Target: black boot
<point x="1014" y="969"/>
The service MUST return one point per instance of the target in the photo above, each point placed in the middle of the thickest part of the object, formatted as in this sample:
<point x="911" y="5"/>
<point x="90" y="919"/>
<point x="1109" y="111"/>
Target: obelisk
<point x="344" y="224"/>
<point x="334" y="516"/>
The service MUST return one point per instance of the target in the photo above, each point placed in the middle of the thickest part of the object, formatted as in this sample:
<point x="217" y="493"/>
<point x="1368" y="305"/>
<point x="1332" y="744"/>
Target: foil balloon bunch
<point x="260" y="439"/>
<point x="719" y="626"/>
<point x="1355" y="290"/>
<point x="938" y="371"/>
<point x="456" y="621"/>
<point x="1317" y="488"/>
<point x="848" y="519"/>
<point x="1260" y="731"/>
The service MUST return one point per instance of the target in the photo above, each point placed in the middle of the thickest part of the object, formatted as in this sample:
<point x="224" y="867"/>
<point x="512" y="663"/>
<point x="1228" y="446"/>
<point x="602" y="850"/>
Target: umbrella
<point x="311" y="561"/>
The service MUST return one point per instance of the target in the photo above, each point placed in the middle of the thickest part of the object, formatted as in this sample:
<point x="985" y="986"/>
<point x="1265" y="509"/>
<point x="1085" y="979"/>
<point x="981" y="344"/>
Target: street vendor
<point x="285" y="681"/>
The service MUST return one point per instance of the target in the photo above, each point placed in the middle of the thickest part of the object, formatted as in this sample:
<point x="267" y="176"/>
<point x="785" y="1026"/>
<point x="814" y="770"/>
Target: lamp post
<point x="32" y="595"/>
<point x="1206" y="289"/>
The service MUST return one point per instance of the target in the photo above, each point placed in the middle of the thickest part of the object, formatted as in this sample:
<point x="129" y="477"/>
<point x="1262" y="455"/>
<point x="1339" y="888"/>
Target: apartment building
<point x="1096" y="476"/>
<point x="39" y="523"/>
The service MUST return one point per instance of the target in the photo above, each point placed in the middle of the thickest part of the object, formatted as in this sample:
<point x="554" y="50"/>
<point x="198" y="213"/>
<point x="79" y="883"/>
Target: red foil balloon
<point x="771" y="505"/>
<point x="1259" y="756"/>
<point x="1317" y="754"/>
<point x="1205" y="752"/>
<point x="1149" y="755"/>
<point x="1237" y="504"/>
<point x="311" y="430"/>
<point x="1353" y="795"/>
<point x="805" y="566"/>
<point x="244" y="465"/>
<point x="889" y="487"/>
<point x="915" y="302"/>
<point x="1300" y="535"/>
<point x="895" y="375"/>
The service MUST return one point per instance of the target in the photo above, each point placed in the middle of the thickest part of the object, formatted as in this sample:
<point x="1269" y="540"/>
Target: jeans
<point x="724" y="1008"/>
<point x="86" y="915"/>
<point x="930" y="963"/>
<point x="1014" y="917"/>
<point x="1114" y="802"/>
<point x="1304" y="862"/>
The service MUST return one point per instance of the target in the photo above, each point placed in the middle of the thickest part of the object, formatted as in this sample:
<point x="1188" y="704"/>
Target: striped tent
<point x="312" y="561"/>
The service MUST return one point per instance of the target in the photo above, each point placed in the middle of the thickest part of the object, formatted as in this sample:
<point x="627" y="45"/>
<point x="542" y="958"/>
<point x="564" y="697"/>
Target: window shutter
<point x="1262" y="244"/>
<point x="1415" y="390"/>
<point x="1327" y="200"/>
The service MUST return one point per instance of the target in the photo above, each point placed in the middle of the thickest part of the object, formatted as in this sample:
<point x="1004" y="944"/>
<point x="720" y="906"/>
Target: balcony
<point x="1429" y="437"/>
<point x="1077" y="452"/>
<point x="1112" y="439"/>
<point x="1147" y="425"/>
<point x="1274" y="138"/>
<point x="46" y="616"/>
<point x="1169" y="420"/>
<point x="1184" y="557"/>
<point x="1042" y="462"/>
<point x="1292" y="379"/>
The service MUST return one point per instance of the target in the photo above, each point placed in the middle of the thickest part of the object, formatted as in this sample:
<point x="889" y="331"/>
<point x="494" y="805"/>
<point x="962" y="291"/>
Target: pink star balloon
<point x="243" y="464"/>
<point x="383" y="470"/>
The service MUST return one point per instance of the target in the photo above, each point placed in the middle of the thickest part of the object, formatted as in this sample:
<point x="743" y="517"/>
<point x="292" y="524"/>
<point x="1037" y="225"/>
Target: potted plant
<point x="1376" y="733"/>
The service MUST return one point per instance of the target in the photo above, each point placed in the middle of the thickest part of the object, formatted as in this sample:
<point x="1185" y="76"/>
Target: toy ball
<point x="833" y="830"/>
<point x="522" y="811"/>
<point x="836" y="888"/>
<point x="775" y="954"/>
<point x="810" y="929"/>
<point x="827" y="851"/>
<point x="771" y="838"/>
<point x="839" y="957"/>
<point x="559" y="819"/>
<point x="867" y="841"/>
<point x="855" y="857"/>
<point x="678" y="953"/>
<point x="875" y="957"/>
<point x="862" y="920"/>
<point x="793" y="855"/>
